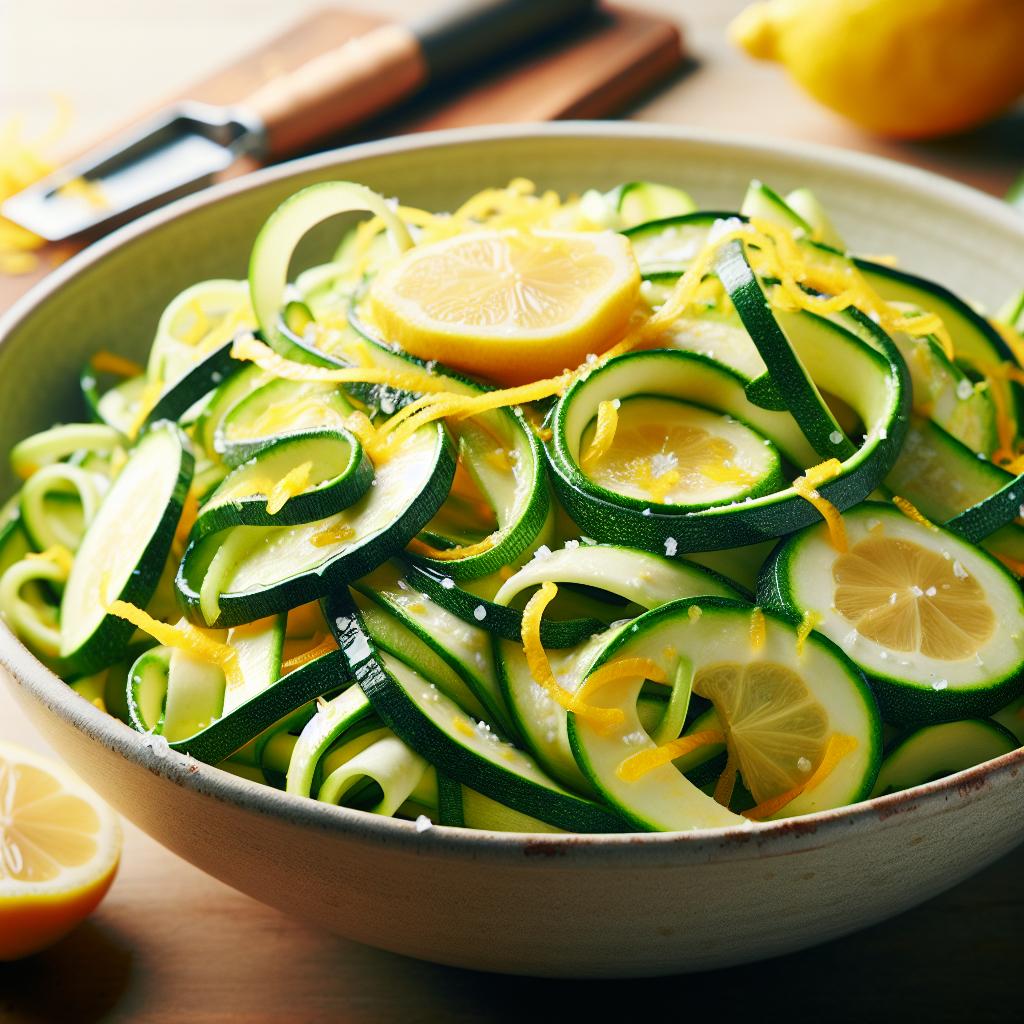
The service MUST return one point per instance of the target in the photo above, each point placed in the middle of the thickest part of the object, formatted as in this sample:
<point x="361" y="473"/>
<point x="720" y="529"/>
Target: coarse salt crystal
<point x="479" y="613"/>
<point x="448" y="583"/>
<point x="671" y="547"/>
<point x="836" y="437"/>
<point x="940" y="684"/>
<point x="423" y="823"/>
<point x="803" y="764"/>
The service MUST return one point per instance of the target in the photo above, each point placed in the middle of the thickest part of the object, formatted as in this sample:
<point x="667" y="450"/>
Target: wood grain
<point x="593" y="69"/>
<point x="171" y="944"/>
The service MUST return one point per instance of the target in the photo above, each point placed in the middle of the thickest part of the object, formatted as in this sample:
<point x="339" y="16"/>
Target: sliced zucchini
<point x="671" y="453"/>
<point x="198" y="320"/>
<point x="975" y="341"/>
<point x="1011" y="718"/>
<point x="781" y="704"/>
<point x="940" y="750"/>
<point x="57" y="504"/>
<point x="333" y="720"/>
<point x="461" y="649"/>
<point x="332" y="470"/>
<point x="670" y="244"/>
<point x="60" y="442"/>
<point x="185" y="700"/>
<point x="638" y="202"/>
<point x="766" y="204"/>
<point x="772" y="336"/>
<point x="873" y="385"/>
<point x="225" y="397"/>
<point x="498" y="453"/>
<point x="194" y="382"/>
<point x="944" y="393"/>
<point x="643" y="579"/>
<point x="949" y="484"/>
<point x="805" y="204"/>
<point x="14" y="542"/>
<point x="936" y="623"/>
<point x="276" y="409"/>
<point x="460" y="747"/>
<point x="125" y="548"/>
<point x="284" y="229"/>
<point x="473" y="602"/>
<point x="248" y="572"/>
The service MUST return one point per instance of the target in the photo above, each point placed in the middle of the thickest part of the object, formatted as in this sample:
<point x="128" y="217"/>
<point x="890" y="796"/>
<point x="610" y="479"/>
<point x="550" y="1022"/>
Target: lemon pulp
<point x="514" y="306"/>
<point x="669" y="452"/>
<point x="907" y="598"/>
<point x="774" y="727"/>
<point x="59" y="850"/>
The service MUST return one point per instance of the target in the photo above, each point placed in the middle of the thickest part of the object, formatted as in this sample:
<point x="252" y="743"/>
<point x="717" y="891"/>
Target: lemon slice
<point x="669" y="452"/>
<point x="511" y="306"/>
<point x="59" y="851"/>
<point x="775" y="728"/>
<point x="907" y="598"/>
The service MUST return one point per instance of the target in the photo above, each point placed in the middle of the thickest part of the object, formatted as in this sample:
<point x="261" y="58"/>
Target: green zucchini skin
<point x="610" y="518"/>
<point x="108" y="639"/>
<point x="502" y="621"/>
<point x="324" y="675"/>
<point x="792" y="382"/>
<point x="724" y="609"/>
<point x="235" y="450"/>
<point x="202" y="378"/>
<point x="402" y="715"/>
<point x="348" y="485"/>
<point x="902" y="701"/>
<point x="348" y="565"/>
<point x="936" y="751"/>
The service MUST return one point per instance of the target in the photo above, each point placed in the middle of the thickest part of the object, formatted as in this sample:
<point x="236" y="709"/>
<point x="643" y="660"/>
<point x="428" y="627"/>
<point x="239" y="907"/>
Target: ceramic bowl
<point x="573" y="906"/>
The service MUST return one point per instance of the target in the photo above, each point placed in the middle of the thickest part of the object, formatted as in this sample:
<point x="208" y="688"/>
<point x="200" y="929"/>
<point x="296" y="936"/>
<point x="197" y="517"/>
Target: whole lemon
<point x="901" y="68"/>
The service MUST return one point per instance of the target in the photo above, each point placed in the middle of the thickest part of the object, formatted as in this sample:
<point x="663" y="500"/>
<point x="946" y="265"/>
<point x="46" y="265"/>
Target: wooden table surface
<point x="170" y="943"/>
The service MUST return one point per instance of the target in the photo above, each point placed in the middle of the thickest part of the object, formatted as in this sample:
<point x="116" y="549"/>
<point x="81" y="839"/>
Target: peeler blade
<point x="177" y="152"/>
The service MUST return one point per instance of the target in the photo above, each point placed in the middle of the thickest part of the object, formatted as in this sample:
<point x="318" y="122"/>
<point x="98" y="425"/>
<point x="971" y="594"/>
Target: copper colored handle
<point x="339" y="88"/>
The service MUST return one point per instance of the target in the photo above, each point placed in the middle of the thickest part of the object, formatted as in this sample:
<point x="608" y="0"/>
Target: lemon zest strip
<point x="639" y="764"/>
<point x="185" y="637"/>
<point x="540" y="667"/>
<point x="807" y="487"/>
<point x="911" y="512"/>
<point x="105" y="361"/>
<point x="604" y="434"/>
<point x="839" y="745"/>
<point x="808" y="623"/>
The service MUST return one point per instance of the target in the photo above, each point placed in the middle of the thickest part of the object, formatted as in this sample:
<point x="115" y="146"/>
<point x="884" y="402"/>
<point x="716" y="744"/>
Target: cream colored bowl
<point x="581" y="906"/>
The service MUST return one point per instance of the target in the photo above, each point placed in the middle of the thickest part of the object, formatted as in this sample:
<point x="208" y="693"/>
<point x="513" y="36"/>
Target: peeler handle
<point x="375" y="71"/>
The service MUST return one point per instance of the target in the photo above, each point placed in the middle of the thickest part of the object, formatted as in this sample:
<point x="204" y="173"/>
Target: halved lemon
<point x="59" y="850"/>
<point x="669" y="452"/>
<point x="908" y="598"/>
<point x="775" y="728"/>
<point x="513" y="306"/>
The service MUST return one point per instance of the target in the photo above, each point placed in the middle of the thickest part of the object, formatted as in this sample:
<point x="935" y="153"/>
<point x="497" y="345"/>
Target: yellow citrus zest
<point x="184" y="637"/>
<point x="839" y="746"/>
<point x="637" y="765"/>
<point x="807" y="487"/>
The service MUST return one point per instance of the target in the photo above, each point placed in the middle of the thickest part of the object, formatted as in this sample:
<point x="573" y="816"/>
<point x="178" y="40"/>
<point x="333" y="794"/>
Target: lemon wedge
<point x="59" y="851"/>
<point x="775" y="728"/>
<point x="513" y="306"/>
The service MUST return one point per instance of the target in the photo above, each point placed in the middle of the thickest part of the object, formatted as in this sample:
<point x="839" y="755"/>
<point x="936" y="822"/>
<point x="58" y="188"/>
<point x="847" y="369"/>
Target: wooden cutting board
<point x="597" y="69"/>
